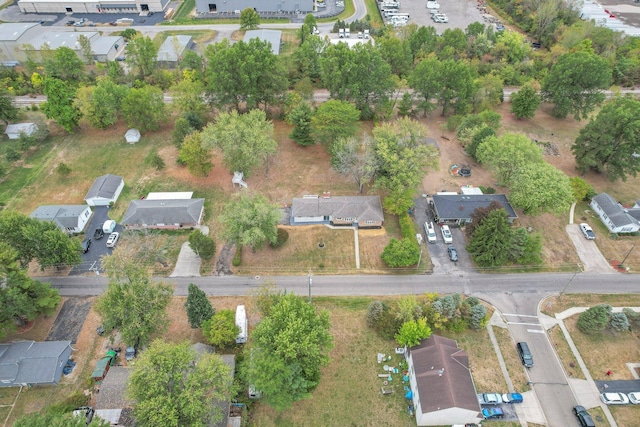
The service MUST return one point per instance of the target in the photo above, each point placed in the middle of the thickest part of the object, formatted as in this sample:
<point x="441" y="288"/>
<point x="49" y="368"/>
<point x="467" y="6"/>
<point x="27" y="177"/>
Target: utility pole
<point x="310" y="282"/>
<point x="578" y="270"/>
<point x="627" y="255"/>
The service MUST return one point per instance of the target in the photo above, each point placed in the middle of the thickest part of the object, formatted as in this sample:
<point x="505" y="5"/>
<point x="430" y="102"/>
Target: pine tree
<point x="198" y="306"/>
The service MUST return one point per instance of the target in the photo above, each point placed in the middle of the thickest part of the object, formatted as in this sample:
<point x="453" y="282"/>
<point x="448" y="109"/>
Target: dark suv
<point x="583" y="416"/>
<point x="525" y="354"/>
<point x="86" y="244"/>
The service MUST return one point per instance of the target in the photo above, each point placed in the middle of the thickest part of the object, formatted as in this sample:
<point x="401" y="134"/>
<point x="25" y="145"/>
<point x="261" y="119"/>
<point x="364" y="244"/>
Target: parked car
<point x="446" y="233"/>
<point x="430" y="231"/>
<point x="525" y="354"/>
<point x="634" y="397"/>
<point x="492" y="413"/>
<point x="587" y="231"/>
<point x="79" y="23"/>
<point x="129" y="353"/>
<point x="113" y="239"/>
<point x="86" y="244"/>
<point x="70" y="23"/>
<point x="109" y="226"/>
<point x="489" y="398"/>
<point x="99" y="233"/>
<point x="512" y="398"/>
<point x="583" y="416"/>
<point x="453" y="254"/>
<point x="614" y="398"/>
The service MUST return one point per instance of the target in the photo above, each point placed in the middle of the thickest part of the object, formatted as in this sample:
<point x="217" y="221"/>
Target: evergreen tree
<point x="198" y="306"/>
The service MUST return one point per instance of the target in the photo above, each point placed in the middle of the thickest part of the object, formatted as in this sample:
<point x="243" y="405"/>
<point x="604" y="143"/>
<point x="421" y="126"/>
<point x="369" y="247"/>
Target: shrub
<point x="401" y="253"/>
<point x="157" y="162"/>
<point x="203" y="246"/>
<point x="595" y="319"/>
<point x="63" y="170"/>
<point x="375" y="312"/>
<point x="281" y="238"/>
<point x="619" y="322"/>
<point x="221" y="330"/>
<point x="478" y="319"/>
<point x="237" y="257"/>
<point x="12" y="155"/>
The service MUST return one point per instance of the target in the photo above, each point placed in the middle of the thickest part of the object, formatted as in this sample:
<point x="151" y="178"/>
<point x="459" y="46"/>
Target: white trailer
<point x="241" y="323"/>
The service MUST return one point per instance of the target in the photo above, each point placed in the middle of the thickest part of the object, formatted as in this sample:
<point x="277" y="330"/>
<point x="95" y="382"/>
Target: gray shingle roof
<point x="443" y="375"/>
<point x="461" y="206"/>
<point x="104" y="186"/>
<point x="173" y="47"/>
<point x="271" y="36"/>
<point x="63" y="215"/>
<point x="363" y="208"/>
<point x="30" y="362"/>
<point x="614" y="211"/>
<point x="113" y="389"/>
<point x="151" y="212"/>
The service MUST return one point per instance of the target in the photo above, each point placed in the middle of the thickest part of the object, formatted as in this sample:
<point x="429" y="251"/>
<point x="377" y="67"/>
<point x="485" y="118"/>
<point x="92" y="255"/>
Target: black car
<point x="99" y="233"/>
<point x="86" y="244"/>
<point x="453" y="254"/>
<point x="465" y="172"/>
<point x="583" y="416"/>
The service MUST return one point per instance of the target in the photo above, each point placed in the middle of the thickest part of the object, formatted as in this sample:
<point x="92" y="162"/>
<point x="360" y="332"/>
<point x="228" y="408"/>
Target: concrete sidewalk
<point x="188" y="263"/>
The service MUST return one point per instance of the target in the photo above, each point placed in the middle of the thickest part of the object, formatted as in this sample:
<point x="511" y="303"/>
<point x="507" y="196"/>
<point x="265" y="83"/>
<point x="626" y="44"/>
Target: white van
<point x="109" y="226"/>
<point x="241" y="323"/>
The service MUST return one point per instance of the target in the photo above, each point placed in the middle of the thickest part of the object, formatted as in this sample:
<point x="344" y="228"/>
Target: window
<point x="213" y="8"/>
<point x="68" y="9"/>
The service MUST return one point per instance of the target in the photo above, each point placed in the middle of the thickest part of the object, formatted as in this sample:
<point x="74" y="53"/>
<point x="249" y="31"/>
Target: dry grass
<point x="512" y="360"/>
<point x="606" y="351"/>
<point x="567" y="358"/>
<point x="625" y="416"/>
<point x="557" y="304"/>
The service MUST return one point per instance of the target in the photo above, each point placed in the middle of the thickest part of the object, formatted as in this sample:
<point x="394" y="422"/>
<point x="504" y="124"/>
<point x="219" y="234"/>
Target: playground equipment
<point x="238" y="178"/>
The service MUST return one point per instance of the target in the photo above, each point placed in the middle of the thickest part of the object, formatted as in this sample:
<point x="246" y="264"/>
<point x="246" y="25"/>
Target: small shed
<point x="132" y="136"/>
<point x="103" y="365"/>
<point x="14" y="131"/>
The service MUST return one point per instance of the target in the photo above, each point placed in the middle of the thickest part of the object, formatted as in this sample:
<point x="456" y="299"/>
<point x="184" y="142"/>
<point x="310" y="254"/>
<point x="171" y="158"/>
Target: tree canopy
<point x="220" y="329"/>
<point x="507" y="154"/>
<point x="250" y="220"/>
<point x="141" y="55"/>
<point x="249" y="19"/>
<point x="334" y="119"/>
<point x="540" y="187"/>
<point x="144" y="108"/>
<point x="291" y="345"/>
<point x="59" y="105"/>
<point x="132" y="302"/>
<point x="173" y="386"/>
<point x="198" y="306"/>
<point x="610" y="143"/>
<point x="246" y="140"/>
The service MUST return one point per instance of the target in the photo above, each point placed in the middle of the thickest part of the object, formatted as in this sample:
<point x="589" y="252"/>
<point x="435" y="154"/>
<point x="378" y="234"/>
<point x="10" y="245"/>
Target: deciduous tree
<point x="65" y="65"/>
<point x="291" y="345"/>
<point x="249" y="19"/>
<point x="425" y="79"/>
<point x="100" y="104"/>
<point x="220" y="329"/>
<point x="507" y="154"/>
<point x="610" y="143"/>
<point x="334" y="119"/>
<point x="59" y="105"/>
<point x="173" y="386"/>
<point x="250" y="221"/>
<point x="355" y="157"/>
<point x="401" y="253"/>
<point x="53" y="419"/>
<point x="525" y="102"/>
<point x="141" y="55"/>
<point x="8" y="112"/>
<point x="144" y="108"/>
<point x="412" y="332"/>
<point x="133" y="303"/>
<point x="540" y="187"/>
<point x="198" y="306"/>
<point x="575" y="84"/>
<point x="246" y="140"/>
<point x="195" y="156"/>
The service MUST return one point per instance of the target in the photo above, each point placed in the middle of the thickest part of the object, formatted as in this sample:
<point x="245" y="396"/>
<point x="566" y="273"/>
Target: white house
<point x="14" y="131"/>
<point x="105" y="190"/>
<point x="70" y="218"/>
<point x="617" y="218"/>
<point x="441" y="383"/>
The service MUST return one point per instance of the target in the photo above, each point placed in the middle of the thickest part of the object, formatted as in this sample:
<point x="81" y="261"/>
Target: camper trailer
<point x="241" y="323"/>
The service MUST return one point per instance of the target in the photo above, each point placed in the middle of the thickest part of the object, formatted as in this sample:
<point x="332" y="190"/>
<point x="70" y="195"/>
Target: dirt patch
<point x="70" y="320"/>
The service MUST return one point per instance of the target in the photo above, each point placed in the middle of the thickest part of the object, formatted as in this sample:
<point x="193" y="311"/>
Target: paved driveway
<point x="590" y="256"/>
<point x="98" y="249"/>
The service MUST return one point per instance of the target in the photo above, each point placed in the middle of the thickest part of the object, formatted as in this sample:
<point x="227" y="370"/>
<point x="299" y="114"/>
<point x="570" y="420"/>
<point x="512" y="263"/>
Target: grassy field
<point x="512" y="360"/>
<point x="566" y="356"/>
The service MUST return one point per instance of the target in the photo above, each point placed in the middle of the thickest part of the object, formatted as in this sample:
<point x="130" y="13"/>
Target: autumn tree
<point x="610" y="143"/>
<point x="355" y="158"/>
<point x="198" y="306"/>
<point x="246" y="140"/>
<point x="173" y="386"/>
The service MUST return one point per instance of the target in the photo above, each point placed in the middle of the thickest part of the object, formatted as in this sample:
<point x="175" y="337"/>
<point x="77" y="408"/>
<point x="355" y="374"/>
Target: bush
<point x="237" y="257"/>
<point x="595" y="319"/>
<point x="63" y="170"/>
<point x="281" y="238"/>
<point x="157" y="162"/>
<point x="12" y="155"/>
<point x="375" y="312"/>
<point x="203" y="246"/>
<point x="478" y="318"/>
<point x="619" y="322"/>
<point x="401" y="253"/>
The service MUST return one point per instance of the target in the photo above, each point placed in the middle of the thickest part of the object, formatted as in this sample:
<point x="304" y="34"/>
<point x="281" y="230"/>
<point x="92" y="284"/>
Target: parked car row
<point x="620" y="398"/>
<point x="493" y="411"/>
<point x="107" y="228"/>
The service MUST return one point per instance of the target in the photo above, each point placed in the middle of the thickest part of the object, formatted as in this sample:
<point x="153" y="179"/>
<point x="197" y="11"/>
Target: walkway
<point x="188" y="263"/>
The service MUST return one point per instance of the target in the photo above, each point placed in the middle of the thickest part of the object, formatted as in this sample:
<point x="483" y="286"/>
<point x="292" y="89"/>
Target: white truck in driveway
<point x="489" y="399"/>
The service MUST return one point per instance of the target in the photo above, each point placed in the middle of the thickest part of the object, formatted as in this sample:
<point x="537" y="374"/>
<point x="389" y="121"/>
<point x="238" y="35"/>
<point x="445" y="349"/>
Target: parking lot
<point x="460" y="13"/>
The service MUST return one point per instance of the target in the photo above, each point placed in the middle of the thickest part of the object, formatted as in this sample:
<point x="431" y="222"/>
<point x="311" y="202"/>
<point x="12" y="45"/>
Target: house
<point x="457" y="208"/>
<point x="271" y="6"/>
<point x="27" y="363"/>
<point x="89" y="6"/>
<point x="105" y="190"/>
<point x="12" y="36"/>
<point x="106" y="48"/>
<point x="173" y="49"/>
<point x="359" y="211"/>
<point x="441" y="383"/>
<point x="271" y="36"/>
<point x="49" y="40"/>
<point x="70" y="218"/>
<point x="163" y="214"/>
<point x="617" y="218"/>
<point x="14" y="131"/>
